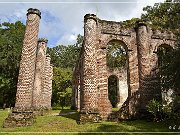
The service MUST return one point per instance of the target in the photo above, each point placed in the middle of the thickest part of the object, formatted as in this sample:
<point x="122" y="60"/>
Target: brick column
<point x="148" y="82"/>
<point x="39" y="71"/>
<point x="104" y="104"/>
<point x="22" y="114"/>
<point x="27" y="64"/>
<point x="89" y="87"/>
<point x="75" y="87"/>
<point x="50" y="86"/>
<point x="47" y="84"/>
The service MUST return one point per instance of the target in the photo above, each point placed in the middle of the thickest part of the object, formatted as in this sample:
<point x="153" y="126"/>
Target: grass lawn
<point x="53" y="123"/>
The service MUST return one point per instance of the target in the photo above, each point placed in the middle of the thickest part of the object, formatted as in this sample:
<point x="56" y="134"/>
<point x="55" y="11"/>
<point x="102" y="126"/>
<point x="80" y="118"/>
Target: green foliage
<point x="167" y="16"/>
<point x="62" y="86"/>
<point x="11" y="40"/>
<point x="116" y="55"/>
<point x="65" y="97"/>
<point x="64" y="59"/>
<point x="112" y="90"/>
<point x="155" y="108"/>
<point x="172" y="111"/>
<point x="130" y="23"/>
<point x="65" y="56"/>
<point x="166" y="112"/>
<point x="79" y="40"/>
<point x="163" y="15"/>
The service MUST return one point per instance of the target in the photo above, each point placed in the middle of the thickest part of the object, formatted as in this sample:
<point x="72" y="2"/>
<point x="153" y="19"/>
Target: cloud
<point x="61" y="22"/>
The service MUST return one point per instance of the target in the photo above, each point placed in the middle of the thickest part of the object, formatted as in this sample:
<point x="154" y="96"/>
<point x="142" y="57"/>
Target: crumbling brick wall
<point x="141" y="44"/>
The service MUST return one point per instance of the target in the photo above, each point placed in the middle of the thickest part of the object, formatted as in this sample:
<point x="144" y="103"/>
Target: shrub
<point x="155" y="108"/>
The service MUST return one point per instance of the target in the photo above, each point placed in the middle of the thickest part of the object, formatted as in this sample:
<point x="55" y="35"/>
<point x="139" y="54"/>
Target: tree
<point x="65" y="97"/>
<point x="116" y="55"/>
<point x="167" y="16"/>
<point x="163" y="15"/>
<point x="66" y="56"/>
<point x="64" y="59"/>
<point x="62" y="83"/>
<point x="11" y="40"/>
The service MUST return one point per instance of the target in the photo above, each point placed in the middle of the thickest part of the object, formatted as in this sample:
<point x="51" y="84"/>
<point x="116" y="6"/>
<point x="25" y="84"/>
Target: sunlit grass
<point x="52" y="122"/>
<point x="115" y="109"/>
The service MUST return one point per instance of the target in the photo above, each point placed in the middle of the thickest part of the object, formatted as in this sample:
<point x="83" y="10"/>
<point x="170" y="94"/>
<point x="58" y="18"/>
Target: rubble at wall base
<point x="18" y="119"/>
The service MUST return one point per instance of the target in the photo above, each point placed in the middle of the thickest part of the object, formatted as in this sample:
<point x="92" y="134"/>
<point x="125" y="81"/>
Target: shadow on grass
<point x="68" y="113"/>
<point x="131" y="127"/>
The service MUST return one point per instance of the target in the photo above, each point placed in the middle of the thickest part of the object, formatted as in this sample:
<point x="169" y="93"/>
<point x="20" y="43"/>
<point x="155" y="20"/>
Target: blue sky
<point x="62" y="21"/>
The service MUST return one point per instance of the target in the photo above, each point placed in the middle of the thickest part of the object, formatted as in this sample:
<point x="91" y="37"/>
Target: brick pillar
<point x="74" y="88"/>
<point x="50" y="87"/>
<point x="148" y="82"/>
<point x="40" y="64"/>
<point x="47" y="84"/>
<point x="22" y="114"/>
<point x="27" y="64"/>
<point x="89" y="87"/>
<point x="104" y="104"/>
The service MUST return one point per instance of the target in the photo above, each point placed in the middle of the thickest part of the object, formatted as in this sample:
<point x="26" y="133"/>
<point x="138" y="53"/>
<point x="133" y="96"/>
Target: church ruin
<point x="34" y="88"/>
<point x="90" y="81"/>
<point x="137" y="84"/>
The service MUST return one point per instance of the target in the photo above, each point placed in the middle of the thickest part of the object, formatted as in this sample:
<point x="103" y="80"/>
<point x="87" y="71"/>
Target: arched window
<point x="116" y="54"/>
<point x="113" y="90"/>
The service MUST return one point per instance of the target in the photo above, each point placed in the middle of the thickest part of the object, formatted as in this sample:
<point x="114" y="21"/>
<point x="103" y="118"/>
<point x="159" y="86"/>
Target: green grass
<point x="115" y="109"/>
<point x="51" y="123"/>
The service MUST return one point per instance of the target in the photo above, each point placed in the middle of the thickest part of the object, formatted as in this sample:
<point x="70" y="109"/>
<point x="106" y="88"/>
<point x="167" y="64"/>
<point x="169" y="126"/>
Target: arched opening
<point x="117" y="66"/>
<point x="164" y="53"/>
<point x="116" y="54"/>
<point x="113" y="90"/>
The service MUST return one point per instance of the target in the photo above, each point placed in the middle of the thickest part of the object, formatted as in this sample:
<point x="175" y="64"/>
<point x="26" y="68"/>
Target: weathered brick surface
<point x="39" y="74"/>
<point x="28" y="58"/>
<point x="34" y="88"/>
<point x="47" y="84"/>
<point x="89" y="90"/>
<point x="141" y="44"/>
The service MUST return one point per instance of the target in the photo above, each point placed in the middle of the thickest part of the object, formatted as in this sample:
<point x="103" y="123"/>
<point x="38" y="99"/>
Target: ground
<point x="52" y="122"/>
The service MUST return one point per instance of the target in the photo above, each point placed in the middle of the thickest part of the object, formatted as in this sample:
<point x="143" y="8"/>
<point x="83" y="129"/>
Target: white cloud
<point x="62" y="22"/>
<point x="67" y="39"/>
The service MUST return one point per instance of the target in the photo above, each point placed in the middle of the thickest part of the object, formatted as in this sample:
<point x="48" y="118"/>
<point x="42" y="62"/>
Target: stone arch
<point x="141" y="47"/>
<point x="124" y="41"/>
<point x="164" y="44"/>
<point x="122" y="73"/>
<point x="163" y="54"/>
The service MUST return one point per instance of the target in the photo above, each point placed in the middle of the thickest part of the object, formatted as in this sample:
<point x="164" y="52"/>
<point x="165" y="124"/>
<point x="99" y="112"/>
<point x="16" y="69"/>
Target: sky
<point x="61" y="21"/>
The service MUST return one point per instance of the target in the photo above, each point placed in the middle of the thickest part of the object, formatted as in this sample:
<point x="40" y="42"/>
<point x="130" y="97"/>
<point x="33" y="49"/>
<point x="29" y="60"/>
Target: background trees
<point x="167" y="16"/>
<point x="161" y="15"/>
<point x="64" y="59"/>
<point x="11" y="38"/>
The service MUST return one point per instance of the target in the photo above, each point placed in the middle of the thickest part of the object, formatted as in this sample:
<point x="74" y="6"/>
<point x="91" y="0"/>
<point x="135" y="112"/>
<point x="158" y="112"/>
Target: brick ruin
<point x="90" y="78"/>
<point x="138" y="84"/>
<point x="34" y="88"/>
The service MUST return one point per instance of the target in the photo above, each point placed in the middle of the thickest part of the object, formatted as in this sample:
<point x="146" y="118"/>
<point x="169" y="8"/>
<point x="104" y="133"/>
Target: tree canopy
<point x="11" y="38"/>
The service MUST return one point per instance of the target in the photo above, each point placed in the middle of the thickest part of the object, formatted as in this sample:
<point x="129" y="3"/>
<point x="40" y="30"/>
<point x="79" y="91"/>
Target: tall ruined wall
<point x="114" y="31"/>
<point x="148" y="42"/>
<point x="141" y="43"/>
